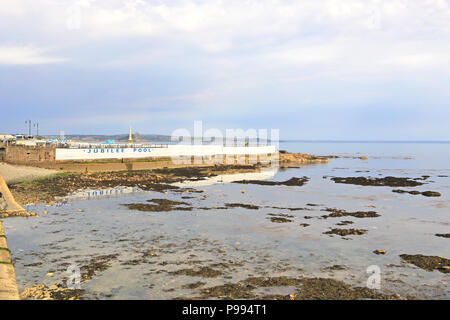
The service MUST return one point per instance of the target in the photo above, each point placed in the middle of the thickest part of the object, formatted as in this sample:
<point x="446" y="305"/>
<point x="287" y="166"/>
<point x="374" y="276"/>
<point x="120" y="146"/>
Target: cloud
<point x="25" y="55"/>
<point x="228" y="59"/>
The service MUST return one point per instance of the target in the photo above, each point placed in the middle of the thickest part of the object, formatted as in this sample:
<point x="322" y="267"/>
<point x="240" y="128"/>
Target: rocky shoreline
<point x="48" y="188"/>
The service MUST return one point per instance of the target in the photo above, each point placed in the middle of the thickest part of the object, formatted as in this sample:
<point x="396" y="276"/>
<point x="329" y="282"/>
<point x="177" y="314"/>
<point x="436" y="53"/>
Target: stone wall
<point x="8" y="284"/>
<point x="28" y="154"/>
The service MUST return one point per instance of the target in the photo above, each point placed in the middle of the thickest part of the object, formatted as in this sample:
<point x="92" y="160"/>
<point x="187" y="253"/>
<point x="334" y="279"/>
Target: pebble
<point x="380" y="252"/>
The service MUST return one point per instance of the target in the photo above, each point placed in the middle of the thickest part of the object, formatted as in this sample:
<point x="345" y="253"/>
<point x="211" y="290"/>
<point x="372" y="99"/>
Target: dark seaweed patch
<point x="386" y="181"/>
<point x="336" y="213"/>
<point x="415" y="192"/>
<point x="428" y="263"/>
<point x="291" y="182"/>
<point x="346" y="232"/>
<point x="241" y="205"/>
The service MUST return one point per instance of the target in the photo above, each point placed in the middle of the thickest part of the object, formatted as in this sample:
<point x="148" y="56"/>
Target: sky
<point x="331" y="69"/>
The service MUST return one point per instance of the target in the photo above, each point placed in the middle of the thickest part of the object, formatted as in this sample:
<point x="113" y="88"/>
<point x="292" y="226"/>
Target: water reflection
<point x="87" y="194"/>
<point x="264" y="174"/>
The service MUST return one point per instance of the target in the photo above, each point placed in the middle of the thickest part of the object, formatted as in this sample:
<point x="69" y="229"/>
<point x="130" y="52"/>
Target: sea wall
<point x="171" y="151"/>
<point x="8" y="284"/>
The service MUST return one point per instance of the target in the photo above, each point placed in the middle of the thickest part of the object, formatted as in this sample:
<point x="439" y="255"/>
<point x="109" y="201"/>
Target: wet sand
<point x="15" y="173"/>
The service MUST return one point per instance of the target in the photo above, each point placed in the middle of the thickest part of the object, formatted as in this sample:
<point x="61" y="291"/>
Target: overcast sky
<point x="332" y="69"/>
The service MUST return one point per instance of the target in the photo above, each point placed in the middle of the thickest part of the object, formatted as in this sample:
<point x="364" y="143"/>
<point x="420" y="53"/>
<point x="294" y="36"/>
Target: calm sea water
<point x="246" y="242"/>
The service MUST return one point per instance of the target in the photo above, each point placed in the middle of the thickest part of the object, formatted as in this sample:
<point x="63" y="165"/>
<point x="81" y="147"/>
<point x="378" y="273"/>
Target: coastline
<point x="42" y="185"/>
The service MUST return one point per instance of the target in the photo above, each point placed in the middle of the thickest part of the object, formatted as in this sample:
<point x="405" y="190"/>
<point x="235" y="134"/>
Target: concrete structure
<point x="27" y="154"/>
<point x="21" y="154"/>
<point x="169" y="151"/>
<point x="8" y="284"/>
<point x="7" y="202"/>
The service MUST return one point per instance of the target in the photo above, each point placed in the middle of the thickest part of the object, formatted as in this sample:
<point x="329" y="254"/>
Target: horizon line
<point x="284" y="140"/>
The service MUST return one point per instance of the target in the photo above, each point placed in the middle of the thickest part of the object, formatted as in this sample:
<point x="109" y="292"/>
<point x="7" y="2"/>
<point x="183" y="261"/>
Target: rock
<point x="415" y="192"/>
<point x="279" y="220"/>
<point x="342" y="213"/>
<point x="428" y="263"/>
<point x="386" y="181"/>
<point x="346" y="232"/>
<point x="431" y="194"/>
<point x="304" y="224"/>
<point x="294" y="181"/>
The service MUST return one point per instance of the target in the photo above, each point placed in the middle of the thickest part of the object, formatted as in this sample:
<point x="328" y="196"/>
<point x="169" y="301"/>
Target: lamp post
<point x="29" y="127"/>
<point x="37" y="128"/>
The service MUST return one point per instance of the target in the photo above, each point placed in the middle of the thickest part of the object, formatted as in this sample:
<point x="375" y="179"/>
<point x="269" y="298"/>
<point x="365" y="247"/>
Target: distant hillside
<point x="118" y="137"/>
<point x="140" y="138"/>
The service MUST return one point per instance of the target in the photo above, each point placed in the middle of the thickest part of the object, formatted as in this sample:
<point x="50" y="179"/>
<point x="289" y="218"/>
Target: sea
<point x="161" y="255"/>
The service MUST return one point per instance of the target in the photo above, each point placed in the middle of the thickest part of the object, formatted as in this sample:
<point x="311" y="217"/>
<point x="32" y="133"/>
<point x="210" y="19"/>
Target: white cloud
<point x="239" y="46"/>
<point x="25" y="55"/>
<point x="420" y="60"/>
